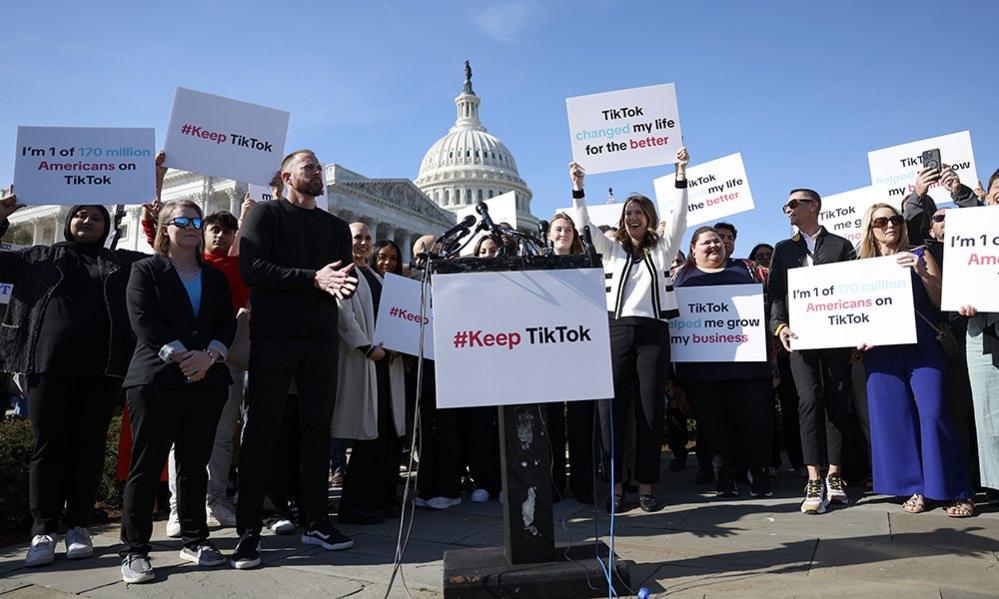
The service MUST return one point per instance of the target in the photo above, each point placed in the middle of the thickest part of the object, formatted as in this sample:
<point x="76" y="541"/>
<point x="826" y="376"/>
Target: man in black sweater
<point x="821" y="376"/>
<point x="290" y="256"/>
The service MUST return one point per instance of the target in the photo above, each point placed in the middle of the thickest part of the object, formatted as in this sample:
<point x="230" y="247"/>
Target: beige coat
<point x="356" y="413"/>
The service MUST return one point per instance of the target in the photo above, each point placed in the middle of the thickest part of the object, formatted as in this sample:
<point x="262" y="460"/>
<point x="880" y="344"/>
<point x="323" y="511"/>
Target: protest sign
<point x="896" y="167"/>
<point x="625" y="129"/>
<point x="851" y="303"/>
<point x="7" y="288"/>
<point x="537" y="336"/>
<point x="971" y="259"/>
<point x="260" y="193"/>
<point x="398" y="322"/>
<point x="719" y="323"/>
<point x="84" y="165"/>
<point x="841" y="213"/>
<point x="715" y="189"/>
<point x="502" y="209"/>
<point x="600" y="214"/>
<point x="225" y="138"/>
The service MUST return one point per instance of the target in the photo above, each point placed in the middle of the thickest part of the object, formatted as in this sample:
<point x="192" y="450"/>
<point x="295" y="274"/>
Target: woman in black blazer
<point x="177" y="383"/>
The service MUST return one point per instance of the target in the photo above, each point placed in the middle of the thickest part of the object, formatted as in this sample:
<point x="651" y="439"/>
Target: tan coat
<point x="356" y="413"/>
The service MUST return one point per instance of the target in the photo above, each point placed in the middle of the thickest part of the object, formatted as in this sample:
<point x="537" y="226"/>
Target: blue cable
<point x="606" y="567"/>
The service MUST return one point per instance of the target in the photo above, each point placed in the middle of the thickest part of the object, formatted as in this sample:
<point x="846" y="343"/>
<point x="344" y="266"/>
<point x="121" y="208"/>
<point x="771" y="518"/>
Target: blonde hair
<point x="161" y="244"/>
<point x="869" y="247"/>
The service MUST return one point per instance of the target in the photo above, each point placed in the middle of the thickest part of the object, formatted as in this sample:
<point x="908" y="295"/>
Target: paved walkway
<point x="697" y="546"/>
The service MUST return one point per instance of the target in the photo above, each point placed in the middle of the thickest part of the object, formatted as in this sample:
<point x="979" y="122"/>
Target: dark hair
<point x="224" y="219"/>
<point x="478" y="244"/>
<point x="728" y="226"/>
<point x="649" y="209"/>
<point x="992" y="179"/>
<point x="757" y="247"/>
<point x="815" y="195"/>
<point x="373" y="259"/>
<point x="289" y="157"/>
<point x="693" y="240"/>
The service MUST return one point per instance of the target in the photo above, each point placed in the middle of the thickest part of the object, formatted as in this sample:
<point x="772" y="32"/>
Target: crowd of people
<point x="267" y="319"/>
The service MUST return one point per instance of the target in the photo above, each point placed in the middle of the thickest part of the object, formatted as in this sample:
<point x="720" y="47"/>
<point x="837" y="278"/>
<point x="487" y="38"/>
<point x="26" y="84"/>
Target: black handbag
<point x="945" y="335"/>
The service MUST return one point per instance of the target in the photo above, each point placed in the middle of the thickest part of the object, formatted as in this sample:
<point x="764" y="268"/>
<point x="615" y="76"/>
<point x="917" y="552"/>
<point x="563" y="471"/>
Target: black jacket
<point x="918" y="210"/>
<point x="35" y="274"/>
<point x="791" y="253"/>
<point x="160" y="312"/>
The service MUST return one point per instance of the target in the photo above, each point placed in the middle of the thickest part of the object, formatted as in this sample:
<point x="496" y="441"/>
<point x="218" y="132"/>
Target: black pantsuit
<point x="822" y="378"/>
<point x="69" y="417"/>
<point x="480" y="446"/>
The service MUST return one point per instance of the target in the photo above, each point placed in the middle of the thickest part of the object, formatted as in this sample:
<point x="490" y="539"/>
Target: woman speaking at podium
<point x="640" y="299"/>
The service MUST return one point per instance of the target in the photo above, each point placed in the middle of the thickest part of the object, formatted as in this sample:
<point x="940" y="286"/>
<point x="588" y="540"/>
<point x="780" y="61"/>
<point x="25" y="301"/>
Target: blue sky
<point x="803" y="89"/>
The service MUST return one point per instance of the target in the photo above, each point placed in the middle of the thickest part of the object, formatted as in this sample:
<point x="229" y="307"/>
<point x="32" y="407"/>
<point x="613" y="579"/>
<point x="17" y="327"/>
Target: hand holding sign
<point x="9" y="205"/>
<point x="576" y="175"/>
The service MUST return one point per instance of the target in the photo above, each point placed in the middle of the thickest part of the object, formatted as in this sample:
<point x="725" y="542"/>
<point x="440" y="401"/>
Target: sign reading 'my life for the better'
<point x="971" y="259"/>
<point x="548" y="327"/>
<point x="399" y="317"/>
<point x="226" y="138"/>
<point x="715" y="189"/>
<point x="630" y="128"/>
<point x="847" y="304"/>
<point x="719" y="323"/>
<point x="896" y="167"/>
<point x="84" y="165"/>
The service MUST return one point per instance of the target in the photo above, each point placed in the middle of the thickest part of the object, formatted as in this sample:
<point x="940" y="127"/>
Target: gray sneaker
<point x="203" y="554"/>
<point x="136" y="569"/>
<point x="42" y="551"/>
<point x="78" y="543"/>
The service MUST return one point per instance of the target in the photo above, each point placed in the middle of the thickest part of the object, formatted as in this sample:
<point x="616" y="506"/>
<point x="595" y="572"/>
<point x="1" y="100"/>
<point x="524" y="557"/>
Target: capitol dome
<point x="469" y="164"/>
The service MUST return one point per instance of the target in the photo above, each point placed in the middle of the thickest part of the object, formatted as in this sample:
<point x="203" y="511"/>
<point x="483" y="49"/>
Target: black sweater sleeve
<point x="777" y="292"/>
<point x="255" y="250"/>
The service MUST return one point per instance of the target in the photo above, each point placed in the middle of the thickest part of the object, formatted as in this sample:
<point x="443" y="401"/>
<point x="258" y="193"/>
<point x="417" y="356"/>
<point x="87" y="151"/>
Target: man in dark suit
<point x="821" y="376"/>
<point x="292" y="256"/>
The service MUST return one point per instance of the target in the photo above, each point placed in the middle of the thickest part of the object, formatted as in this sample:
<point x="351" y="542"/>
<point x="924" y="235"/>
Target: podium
<point x="529" y="564"/>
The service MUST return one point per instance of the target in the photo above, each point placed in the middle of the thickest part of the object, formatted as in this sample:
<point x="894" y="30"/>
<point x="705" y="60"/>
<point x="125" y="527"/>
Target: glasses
<point x="881" y="222"/>
<point x="939" y="218"/>
<point x="184" y="222"/>
<point x="792" y="204"/>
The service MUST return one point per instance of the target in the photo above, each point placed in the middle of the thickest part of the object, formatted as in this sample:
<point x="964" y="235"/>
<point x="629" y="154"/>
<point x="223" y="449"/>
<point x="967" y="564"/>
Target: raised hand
<point x="9" y="205"/>
<point x="576" y="174"/>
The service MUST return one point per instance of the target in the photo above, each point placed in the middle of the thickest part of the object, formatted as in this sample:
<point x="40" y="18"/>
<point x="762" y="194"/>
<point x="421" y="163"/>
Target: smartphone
<point x="931" y="159"/>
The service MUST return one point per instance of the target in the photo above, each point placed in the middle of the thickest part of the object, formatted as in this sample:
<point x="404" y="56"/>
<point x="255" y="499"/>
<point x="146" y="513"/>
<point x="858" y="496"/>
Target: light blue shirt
<point x="193" y="288"/>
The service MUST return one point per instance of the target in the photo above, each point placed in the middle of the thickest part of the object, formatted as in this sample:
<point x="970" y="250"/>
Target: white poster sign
<point x="600" y="214"/>
<point x="719" y="323"/>
<point x="260" y="193"/>
<point x="625" y="129"/>
<point x="842" y="212"/>
<point x="7" y="288"/>
<point x="225" y="138"/>
<point x="715" y="189"/>
<point x="399" y="317"/>
<point x="521" y="337"/>
<point x="84" y="165"/>
<point x="971" y="259"/>
<point x="896" y="167"/>
<point x="502" y="209"/>
<point x="851" y="303"/>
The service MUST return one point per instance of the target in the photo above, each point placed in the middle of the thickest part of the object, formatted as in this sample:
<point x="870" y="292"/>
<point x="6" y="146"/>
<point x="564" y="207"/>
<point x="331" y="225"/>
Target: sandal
<point x="961" y="508"/>
<point x="915" y="504"/>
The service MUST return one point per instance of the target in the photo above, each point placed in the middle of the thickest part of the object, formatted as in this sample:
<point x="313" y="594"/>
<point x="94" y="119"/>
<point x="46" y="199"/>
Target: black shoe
<point x="615" y="504"/>
<point x="704" y="475"/>
<point x="761" y="485"/>
<point x="725" y="486"/>
<point x="648" y="503"/>
<point x="678" y="463"/>
<point x="247" y="553"/>
<point x="324" y="534"/>
<point x="364" y="518"/>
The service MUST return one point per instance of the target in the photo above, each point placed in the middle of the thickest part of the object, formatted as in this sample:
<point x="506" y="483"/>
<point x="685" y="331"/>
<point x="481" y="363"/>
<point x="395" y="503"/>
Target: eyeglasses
<point x="939" y="218"/>
<point x="184" y="222"/>
<point x="881" y="222"/>
<point x="792" y="204"/>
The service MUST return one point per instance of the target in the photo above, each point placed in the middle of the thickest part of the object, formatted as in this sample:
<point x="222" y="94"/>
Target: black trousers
<point x="284" y="484"/>
<point x="555" y="419"/>
<point x="274" y="363"/>
<point x="640" y="361"/>
<point x="822" y="378"/>
<point x="579" y="420"/>
<point x="185" y="417"/>
<point x="480" y="446"/>
<point x="737" y="418"/>
<point x="440" y="443"/>
<point x="372" y="480"/>
<point x="70" y="417"/>
<point x="787" y="395"/>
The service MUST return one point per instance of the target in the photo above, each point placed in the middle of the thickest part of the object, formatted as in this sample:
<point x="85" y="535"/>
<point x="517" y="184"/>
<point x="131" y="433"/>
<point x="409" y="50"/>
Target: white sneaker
<point x="78" y="543"/>
<point x="42" y="550"/>
<point x="480" y="496"/>
<point x="222" y="513"/>
<point x="173" y="526"/>
<point x="442" y="503"/>
<point x="282" y="527"/>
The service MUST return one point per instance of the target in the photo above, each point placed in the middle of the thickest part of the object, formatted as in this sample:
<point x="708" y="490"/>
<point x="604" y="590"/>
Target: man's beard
<point x="311" y="187"/>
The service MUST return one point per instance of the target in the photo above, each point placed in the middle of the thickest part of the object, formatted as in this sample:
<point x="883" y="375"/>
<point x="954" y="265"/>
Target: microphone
<point x="487" y="222"/>
<point x="462" y="226"/>
<point x="543" y="231"/>
<point x="588" y="238"/>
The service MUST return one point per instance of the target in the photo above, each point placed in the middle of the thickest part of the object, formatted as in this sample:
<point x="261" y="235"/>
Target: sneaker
<point x="202" y="553"/>
<point x="836" y="490"/>
<point x="760" y="484"/>
<point x="442" y="503"/>
<point x="173" y="525"/>
<point x="136" y="569"/>
<point x="815" y="500"/>
<point x="42" y="550"/>
<point x="326" y="535"/>
<point x="726" y="487"/>
<point x="282" y="527"/>
<point x="480" y="496"/>
<point x="247" y="553"/>
<point x="222" y="513"/>
<point x="78" y="543"/>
